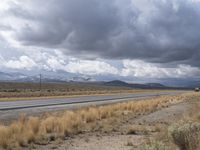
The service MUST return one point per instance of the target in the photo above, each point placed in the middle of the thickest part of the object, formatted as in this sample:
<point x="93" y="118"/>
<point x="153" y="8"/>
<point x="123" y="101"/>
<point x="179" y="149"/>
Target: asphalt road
<point x="12" y="109"/>
<point x="25" y="104"/>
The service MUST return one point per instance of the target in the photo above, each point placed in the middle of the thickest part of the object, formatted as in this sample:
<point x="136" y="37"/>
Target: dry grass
<point x="28" y="95"/>
<point x="18" y="91"/>
<point x="34" y="130"/>
<point x="186" y="133"/>
<point x="23" y="90"/>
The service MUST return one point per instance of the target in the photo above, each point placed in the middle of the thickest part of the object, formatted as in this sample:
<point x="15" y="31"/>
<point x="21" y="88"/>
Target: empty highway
<point x="12" y="109"/>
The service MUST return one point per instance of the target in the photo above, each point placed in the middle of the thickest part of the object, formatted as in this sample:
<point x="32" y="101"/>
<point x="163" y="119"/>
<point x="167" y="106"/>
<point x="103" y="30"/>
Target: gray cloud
<point x="157" y="31"/>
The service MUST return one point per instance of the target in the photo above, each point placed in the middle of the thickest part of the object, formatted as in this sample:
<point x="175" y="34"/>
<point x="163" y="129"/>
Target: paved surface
<point x="12" y="110"/>
<point x="77" y="100"/>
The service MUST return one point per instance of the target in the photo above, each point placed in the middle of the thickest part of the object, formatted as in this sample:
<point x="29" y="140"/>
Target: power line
<point x="40" y="84"/>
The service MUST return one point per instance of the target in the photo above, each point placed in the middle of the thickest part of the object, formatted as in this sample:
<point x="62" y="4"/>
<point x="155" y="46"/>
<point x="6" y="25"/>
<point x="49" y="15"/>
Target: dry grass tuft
<point x="4" y="136"/>
<point x="35" y="130"/>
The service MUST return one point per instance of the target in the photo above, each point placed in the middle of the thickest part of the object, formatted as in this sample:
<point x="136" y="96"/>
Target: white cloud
<point x="5" y="4"/>
<point x="55" y="60"/>
<point x="1" y="61"/>
<point x="24" y="62"/>
<point x="91" y="67"/>
<point x="58" y="61"/>
<point x="139" y="68"/>
<point x="86" y="67"/>
<point x="54" y="63"/>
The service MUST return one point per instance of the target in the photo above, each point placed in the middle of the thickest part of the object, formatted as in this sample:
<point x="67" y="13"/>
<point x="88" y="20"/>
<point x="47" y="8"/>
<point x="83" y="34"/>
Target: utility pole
<point x="40" y="84"/>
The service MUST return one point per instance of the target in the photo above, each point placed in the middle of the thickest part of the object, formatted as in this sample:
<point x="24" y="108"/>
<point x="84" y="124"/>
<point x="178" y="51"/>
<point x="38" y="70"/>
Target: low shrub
<point x="186" y="136"/>
<point x="155" y="145"/>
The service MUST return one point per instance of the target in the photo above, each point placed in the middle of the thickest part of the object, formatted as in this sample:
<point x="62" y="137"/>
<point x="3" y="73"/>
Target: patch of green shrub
<point x="186" y="136"/>
<point x="155" y="145"/>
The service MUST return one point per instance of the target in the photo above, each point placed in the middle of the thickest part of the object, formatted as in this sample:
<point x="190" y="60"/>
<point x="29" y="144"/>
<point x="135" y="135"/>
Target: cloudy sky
<point x="133" y="39"/>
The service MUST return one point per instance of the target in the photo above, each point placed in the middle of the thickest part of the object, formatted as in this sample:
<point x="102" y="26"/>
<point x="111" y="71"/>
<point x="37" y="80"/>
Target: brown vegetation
<point x="13" y="91"/>
<point x="8" y="90"/>
<point x="35" y="130"/>
<point x="184" y="134"/>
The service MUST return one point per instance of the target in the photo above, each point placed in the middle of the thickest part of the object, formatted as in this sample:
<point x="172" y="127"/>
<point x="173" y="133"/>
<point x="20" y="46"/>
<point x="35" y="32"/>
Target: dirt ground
<point x="119" y="136"/>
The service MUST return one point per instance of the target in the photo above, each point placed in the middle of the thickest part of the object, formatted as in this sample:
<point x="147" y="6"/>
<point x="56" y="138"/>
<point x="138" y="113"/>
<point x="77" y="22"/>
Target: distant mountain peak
<point x="4" y="76"/>
<point x="135" y="85"/>
<point x="82" y="79"/>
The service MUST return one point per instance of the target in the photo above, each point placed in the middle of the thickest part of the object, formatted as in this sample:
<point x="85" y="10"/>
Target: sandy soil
<point x="116" y="136"/>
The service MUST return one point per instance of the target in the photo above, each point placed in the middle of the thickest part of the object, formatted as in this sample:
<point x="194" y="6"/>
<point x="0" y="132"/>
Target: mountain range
<point x="61" y="78"/>
<point x="136" y="86"/>
<point x="19" y="77"/>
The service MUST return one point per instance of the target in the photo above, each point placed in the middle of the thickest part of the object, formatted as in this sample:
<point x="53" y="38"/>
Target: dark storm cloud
<point x="73" y="24"/>
<point x="160" y="31"/>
